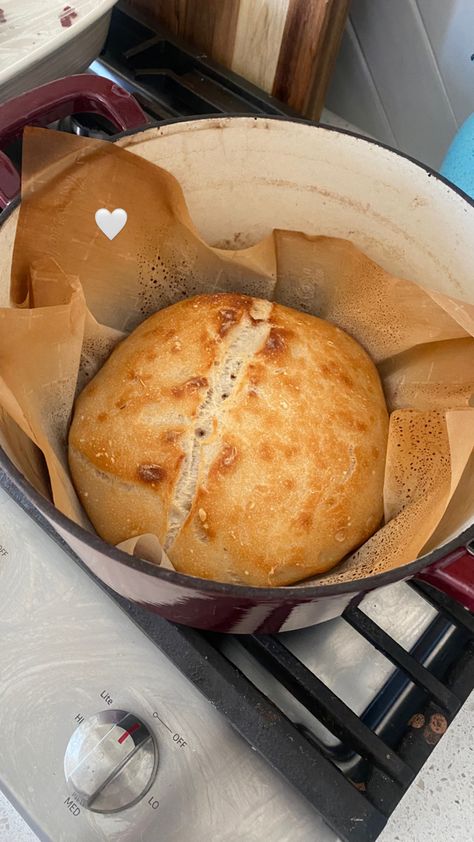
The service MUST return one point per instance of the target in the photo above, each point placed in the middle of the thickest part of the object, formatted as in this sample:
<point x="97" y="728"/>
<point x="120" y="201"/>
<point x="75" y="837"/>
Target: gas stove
<point x="118" y="725"/>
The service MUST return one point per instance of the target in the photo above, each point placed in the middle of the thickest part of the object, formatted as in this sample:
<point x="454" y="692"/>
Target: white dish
<point x="41" y="40"/>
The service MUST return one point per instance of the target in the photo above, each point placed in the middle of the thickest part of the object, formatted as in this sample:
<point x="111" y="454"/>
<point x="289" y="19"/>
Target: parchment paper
<point x="75" y="294"/>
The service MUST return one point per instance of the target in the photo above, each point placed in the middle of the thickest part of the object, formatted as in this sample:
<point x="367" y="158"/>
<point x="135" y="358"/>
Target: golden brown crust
<point x="249" y="437"/>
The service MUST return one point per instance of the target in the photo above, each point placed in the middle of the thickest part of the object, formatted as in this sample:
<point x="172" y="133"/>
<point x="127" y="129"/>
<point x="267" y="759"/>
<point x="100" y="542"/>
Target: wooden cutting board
<point x="286" y="47"/>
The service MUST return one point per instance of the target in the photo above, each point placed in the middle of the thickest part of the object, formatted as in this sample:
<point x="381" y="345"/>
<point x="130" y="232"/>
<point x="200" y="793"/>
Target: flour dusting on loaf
<point x="249" y="437"/>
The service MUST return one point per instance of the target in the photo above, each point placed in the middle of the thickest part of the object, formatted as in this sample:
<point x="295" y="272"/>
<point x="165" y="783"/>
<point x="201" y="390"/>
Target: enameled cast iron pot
<point x="243" y="176"/>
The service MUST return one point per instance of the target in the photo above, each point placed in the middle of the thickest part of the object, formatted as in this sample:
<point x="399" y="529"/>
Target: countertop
<point x="439" y="804"/>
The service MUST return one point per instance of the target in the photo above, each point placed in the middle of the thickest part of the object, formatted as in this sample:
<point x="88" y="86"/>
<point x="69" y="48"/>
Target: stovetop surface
<point x="68" y="646"/>
<point x="65" y="647"/>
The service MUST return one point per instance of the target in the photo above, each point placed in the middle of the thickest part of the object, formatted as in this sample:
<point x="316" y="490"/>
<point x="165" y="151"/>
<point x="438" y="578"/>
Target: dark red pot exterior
<point x="454" y="575"/>
<point x="247" y="616"/>
<point x="232" y="608"/>
<point x="209" y="605"/>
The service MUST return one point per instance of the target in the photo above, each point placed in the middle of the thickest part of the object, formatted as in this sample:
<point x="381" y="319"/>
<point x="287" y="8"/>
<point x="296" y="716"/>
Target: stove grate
<point x="392" y="650"/>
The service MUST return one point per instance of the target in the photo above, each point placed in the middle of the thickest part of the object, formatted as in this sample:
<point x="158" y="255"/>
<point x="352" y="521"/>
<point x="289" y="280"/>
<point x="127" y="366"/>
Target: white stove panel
<point x="67" y="653"/>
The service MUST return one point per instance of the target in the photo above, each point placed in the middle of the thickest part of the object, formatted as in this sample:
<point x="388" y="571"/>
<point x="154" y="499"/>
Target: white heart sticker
<point x="111" y="222"/>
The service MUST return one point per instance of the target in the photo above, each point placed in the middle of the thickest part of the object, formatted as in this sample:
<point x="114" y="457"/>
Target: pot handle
<point x="9" y="181"/>
<point x="41" y="106"/>
<point x="454" y="575"/>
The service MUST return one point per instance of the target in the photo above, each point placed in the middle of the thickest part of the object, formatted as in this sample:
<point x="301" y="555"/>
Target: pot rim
<point x="13" y="481"/>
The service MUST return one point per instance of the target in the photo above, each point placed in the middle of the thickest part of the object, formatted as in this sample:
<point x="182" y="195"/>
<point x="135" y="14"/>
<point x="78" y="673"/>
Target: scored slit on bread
<point x="245" y="338"/>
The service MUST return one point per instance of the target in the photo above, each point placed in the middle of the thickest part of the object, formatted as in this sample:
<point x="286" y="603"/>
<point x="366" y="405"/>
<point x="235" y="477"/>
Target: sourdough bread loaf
<point x="249" y="437"/>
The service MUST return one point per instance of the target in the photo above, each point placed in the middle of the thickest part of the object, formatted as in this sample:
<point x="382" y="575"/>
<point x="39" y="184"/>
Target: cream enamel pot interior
<point x="243" y="176"/>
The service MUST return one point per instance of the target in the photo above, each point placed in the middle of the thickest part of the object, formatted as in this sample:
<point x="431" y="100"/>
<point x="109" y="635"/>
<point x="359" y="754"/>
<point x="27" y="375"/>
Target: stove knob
<point x="111" y="761"/>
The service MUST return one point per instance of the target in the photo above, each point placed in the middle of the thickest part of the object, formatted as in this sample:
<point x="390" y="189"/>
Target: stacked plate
<point x="41" y="40"/>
